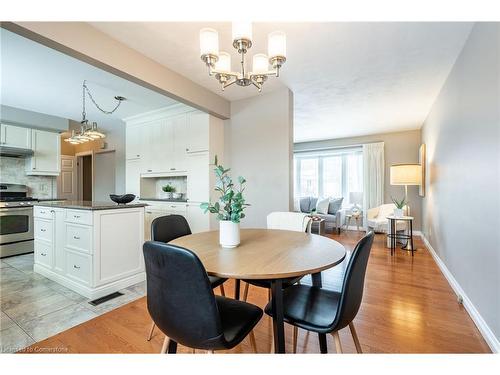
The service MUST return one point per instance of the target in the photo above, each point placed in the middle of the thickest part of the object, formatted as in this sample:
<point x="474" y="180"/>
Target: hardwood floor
<point x="408" y="307"/>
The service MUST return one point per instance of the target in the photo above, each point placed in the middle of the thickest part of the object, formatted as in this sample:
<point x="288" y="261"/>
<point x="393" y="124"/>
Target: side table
<point x="318" y="225"/>
<point x="348" y="217"/>
<point x="394" y="236"/>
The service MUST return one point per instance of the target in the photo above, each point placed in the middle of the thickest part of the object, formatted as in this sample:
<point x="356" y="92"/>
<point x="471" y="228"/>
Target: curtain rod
<point x="334" y="147"/>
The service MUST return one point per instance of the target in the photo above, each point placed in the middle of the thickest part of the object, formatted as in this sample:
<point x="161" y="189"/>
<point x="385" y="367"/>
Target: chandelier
<point x="89" y="131"/>
<point x="219" y="63"/>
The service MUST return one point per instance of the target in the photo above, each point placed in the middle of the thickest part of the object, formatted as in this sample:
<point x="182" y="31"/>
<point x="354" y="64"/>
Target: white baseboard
<point x="478" y="320"/>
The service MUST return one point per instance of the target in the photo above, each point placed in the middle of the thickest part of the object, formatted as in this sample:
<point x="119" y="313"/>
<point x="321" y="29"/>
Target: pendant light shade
<point x="260" y="64"/>
<point x="242" y="30"/>
<point x="224" y="63"/>
<point x="209" y="42"/>
<point x="276" y="44"/>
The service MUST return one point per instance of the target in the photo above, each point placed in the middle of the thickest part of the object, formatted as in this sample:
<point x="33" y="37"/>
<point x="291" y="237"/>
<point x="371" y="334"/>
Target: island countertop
<point x="89" y="205"/>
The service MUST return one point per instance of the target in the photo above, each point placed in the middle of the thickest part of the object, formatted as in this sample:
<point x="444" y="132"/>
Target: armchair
<point x="376" y="219"/>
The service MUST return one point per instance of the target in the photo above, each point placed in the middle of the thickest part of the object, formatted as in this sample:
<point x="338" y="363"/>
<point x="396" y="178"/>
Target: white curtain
<point x="373" y="175"/>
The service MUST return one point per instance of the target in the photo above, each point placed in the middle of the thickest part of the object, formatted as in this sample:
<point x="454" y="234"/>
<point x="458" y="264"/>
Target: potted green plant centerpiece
<point x="169" y="190"/>
<point x="229" y="208"/>
<point x="400" y="205"/>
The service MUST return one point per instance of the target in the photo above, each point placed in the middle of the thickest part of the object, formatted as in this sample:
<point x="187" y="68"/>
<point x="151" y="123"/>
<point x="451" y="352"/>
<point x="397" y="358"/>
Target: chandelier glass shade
<point x="263" y="66"/>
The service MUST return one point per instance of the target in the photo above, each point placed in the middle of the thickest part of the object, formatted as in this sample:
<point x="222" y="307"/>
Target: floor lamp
<point x="406" y="174"/>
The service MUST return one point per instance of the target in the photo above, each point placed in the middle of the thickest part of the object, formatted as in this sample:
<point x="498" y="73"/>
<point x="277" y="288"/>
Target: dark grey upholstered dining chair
<point x="168" y="228"/>
<point x="181" y="301"/>
<point x="326" y="311"/>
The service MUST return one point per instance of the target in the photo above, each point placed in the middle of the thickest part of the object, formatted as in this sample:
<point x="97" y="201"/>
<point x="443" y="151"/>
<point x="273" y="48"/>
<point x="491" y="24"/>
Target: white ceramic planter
<point x="398" y="212"/>
<point x="229" y="233"/>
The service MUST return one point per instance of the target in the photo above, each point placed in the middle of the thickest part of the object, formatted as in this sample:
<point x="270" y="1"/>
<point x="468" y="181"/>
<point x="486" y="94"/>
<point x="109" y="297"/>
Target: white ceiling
<point x="348" y="79"/>
<point x="40" y="79"/>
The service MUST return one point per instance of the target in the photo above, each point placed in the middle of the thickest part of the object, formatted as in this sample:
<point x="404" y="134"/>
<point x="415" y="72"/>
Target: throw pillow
<point x="334" y="205"/>
<point x="322" y="206"/>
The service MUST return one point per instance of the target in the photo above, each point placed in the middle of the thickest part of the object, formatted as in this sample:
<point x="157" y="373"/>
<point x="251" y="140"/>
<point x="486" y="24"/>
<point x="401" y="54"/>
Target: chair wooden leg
<point x="210" y="352"/>
<point x="164" y="348"/>
<point x="338" y="345"/>
<point x="153" y="325"/>
<point x="193" y="350"/>
<point x="355" y="338"/>
<point x="222" y="291"/>
<point x="295" y="336"/>
<point x="253" y="343"/>
<point x="245" y="292"/>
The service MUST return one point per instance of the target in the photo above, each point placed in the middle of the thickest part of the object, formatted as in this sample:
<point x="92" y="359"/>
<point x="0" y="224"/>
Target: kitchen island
<point x="93" y="248"/>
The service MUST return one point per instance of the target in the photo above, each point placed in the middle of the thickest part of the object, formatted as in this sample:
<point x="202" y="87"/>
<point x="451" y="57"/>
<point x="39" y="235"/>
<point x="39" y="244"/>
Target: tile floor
<point x="34" y="307"/>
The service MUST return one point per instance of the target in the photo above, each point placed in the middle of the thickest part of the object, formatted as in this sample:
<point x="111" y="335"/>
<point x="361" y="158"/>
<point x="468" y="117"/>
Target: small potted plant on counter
<point x="169" y="190"/>
<point x="229" y="208"/>
<point x="400" y="205"/>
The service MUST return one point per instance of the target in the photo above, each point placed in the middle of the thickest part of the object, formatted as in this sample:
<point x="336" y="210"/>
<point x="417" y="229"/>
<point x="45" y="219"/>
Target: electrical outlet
<point x="460" y="299"/>
<point x="44" y="187"/>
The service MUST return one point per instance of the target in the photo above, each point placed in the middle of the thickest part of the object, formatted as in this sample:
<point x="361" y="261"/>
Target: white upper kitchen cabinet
<point x="15" y="136"/>
<point x="46" y="148"/>
<point x="134" y="142"/>
<point x="198" y="130"/>
<point x="180" y="146"/>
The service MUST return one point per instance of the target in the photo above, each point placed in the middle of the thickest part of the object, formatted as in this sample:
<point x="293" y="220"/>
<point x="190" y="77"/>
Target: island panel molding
<point x="93" y="249"/>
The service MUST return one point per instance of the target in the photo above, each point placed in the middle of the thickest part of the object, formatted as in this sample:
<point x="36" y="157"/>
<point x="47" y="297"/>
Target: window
<point x="335" y="173"/>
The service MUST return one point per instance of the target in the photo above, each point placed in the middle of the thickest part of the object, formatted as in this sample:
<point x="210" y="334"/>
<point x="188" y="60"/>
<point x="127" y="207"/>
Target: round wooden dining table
<point x="267" y="254"/>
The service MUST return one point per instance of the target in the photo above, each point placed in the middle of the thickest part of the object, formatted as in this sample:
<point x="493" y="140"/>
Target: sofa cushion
<point x="335" y="205"/>
<point x="304" y="204"/>
<point x="322" y="205"/>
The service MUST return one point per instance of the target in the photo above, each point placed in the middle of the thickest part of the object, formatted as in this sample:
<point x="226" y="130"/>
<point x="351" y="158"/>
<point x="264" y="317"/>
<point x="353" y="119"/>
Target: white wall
<point x="462" y="205"/>
<point x="258" y="146"/>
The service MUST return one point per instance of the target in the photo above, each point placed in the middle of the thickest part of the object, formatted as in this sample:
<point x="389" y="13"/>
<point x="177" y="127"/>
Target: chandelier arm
<point x="230" y="83"/>
<point x="232" y="74"/>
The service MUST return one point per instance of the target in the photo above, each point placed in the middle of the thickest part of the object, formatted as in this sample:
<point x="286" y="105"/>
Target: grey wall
<point x="258" y="146"/>
<point x="462" y="205"/>
<point x="399" y="147"/>
<point x="17" y="116"/>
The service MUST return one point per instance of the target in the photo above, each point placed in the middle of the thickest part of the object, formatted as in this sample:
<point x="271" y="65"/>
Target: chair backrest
<point x="168" y="228"/>
<point x="296" y="221"/>
<point x="353" y="284"/>
<point x="179" y="295"/>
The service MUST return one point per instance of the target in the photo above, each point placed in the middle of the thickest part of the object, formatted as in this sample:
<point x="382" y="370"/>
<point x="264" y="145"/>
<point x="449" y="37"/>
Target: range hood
<point x="15" y="152"/>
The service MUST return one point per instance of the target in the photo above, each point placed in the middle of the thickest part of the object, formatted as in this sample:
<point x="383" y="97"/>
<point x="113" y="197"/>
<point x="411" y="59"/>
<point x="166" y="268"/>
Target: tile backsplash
<point x="12" y="172"/>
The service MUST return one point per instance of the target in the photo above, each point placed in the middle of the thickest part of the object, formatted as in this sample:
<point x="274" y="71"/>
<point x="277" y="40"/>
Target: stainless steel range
<point x="16" y="220"/>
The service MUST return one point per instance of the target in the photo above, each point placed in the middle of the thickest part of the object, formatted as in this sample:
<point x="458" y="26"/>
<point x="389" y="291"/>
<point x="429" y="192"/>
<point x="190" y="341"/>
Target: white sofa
<point x="376" y="218"/>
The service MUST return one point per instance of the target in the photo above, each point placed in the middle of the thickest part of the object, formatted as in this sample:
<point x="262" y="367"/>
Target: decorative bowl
<point x="177" y="195"/>
<point x="122" y="199"/>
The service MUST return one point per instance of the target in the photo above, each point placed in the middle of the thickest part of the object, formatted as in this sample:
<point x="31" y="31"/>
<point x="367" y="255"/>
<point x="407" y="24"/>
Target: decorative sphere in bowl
<point x="122" y="199"/>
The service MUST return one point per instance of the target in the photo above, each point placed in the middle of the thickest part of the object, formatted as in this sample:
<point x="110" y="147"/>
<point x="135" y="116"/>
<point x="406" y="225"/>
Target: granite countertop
<point x="164" y="200"/>
<point x="50" y="199"/>
<point x="89" y="205"/>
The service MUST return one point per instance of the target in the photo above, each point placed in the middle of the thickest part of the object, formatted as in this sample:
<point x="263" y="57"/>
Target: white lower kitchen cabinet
<point x="93" y="252"/>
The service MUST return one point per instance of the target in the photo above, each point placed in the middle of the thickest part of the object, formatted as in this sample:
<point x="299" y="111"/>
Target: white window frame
<point x="320" y="155"/>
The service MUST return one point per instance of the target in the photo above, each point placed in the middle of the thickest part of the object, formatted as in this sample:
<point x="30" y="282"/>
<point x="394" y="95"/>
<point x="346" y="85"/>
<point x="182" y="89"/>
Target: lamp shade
<point x="276" y="44"/>
<point x="406" y="174"/>
<point x="224" y="63"/>
<point x="242" y="30"/>
<point x="209" y="42"/>
<point x="260" y="64"/>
